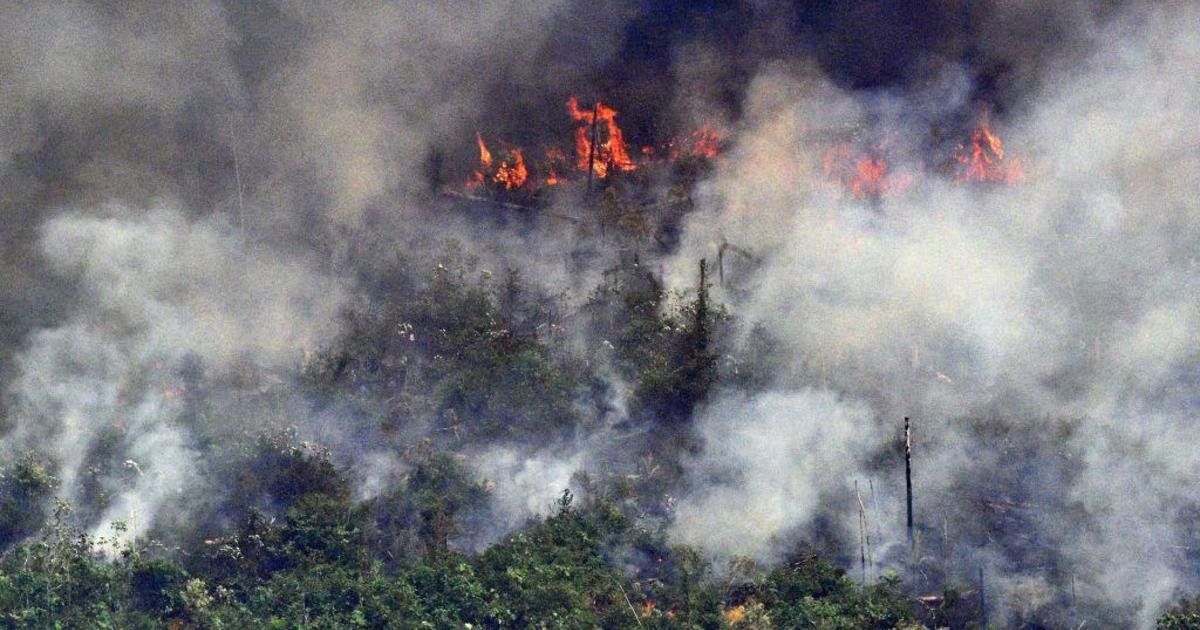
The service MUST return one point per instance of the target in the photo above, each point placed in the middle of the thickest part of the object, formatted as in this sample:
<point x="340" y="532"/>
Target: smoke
<point x="286" y="147"/>
<point x="234" y="169"/>
<point x="526" y="485"/>
<point x="769" y="463"/>
<point x="1064" y="297"/>
<point x="375" y="88"/>
<point x="157" y="290"/>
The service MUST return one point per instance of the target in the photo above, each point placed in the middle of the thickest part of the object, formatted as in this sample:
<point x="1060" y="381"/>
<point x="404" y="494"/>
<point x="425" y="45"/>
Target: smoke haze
<point x="1060" y="306"/>
<point x="215" y="184"/>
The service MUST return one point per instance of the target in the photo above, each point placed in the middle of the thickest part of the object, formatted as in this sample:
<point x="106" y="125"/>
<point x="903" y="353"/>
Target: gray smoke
<point x="1065" y="300"/>
<point x="766" y="460"/>
<point x="204" y="182"/>
<point x="198" y="183"/>
<point x="157" y="289"/>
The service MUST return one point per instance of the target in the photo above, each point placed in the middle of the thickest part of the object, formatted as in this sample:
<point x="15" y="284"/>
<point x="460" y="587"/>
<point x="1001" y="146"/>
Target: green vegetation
<point x="280" y="535"/>
<point x="312" y="570"/>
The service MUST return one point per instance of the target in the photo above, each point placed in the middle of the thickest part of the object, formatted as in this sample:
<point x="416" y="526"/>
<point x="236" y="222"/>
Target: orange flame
<point x="477" y="178"/>
<point x="485" y="156"/>
<point x="508" y="170"/>
<point x="555" y="158"/>
<point x="865" y="176"/>
<point x="512" y="175"/>
<point x="706" y="143"/>
<point x="610" y="150"/>
<point x="982" y="159"/>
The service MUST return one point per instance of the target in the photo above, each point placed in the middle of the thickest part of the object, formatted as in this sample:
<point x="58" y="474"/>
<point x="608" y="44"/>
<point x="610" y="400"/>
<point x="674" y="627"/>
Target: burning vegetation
<point x="508" y="173"/>
<point x="868" y="174"/>
<point x="862" y="175"/>
<point x="645" y="356"/>
<point x="982" y="158"/>
<point x="600" y="151"/>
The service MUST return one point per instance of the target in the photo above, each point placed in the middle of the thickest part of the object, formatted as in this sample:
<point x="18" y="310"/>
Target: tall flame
<point x="485" y="156"/>
<point x="485" y="162"/>
<point x="982" y="158"/>
<point x="610" y="149"/>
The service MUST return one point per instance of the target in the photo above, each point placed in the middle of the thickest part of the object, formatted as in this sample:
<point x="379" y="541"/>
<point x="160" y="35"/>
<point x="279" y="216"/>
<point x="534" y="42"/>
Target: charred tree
<point x="908" y="490"/>
<point x="592" y="148"/>
<point x="699" y="362"/>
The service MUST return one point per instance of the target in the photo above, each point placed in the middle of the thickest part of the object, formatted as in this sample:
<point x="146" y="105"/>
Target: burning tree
<point x="600" y="151"/>
<point x="982" y="158"/>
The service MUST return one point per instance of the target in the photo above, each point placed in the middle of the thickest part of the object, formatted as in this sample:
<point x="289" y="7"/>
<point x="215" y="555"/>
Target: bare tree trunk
<point x="864" y="536"/>
<point x="908" y="479"/>
<point x="592" y="149"/>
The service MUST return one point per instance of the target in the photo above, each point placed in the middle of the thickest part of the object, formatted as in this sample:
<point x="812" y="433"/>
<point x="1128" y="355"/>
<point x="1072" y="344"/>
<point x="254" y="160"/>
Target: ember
<point x="706" y="143"/>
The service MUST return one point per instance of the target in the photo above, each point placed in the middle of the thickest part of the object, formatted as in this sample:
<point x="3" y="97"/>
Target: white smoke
<point x="156" y="289"/>
<point x="1069" y="295"/>
<point x="769" y="464"/>
<point x="526" y="485"/>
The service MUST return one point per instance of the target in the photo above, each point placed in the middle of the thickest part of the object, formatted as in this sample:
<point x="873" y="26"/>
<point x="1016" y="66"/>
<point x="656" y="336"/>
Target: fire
<point x="610" y="150"/>
<point x="866" y="176"/>
<point x="703" y="143"/>
<point x="869" y="178"/>
<point x="477" y="178"/>
<point x="485" y="156"/>
<point x="601" y="150"/>
<point x="507" y="169"/>
<point x="706" y="143"/>
<point x="510" y="173"/>
<point x="555" y="159"/>
<point x="983" y="160"/>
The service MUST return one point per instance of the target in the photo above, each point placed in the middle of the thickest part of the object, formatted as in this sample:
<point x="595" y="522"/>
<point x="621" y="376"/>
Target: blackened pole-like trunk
<point x="702" y="309"/>
<point x="592" y="148"/>
<point x="908" y="478"/>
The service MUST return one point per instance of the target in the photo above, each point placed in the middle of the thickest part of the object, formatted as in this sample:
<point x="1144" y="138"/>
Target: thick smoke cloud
<point x="286" y="138"/>
<point x="767" y="461"/>
<point x="206" y="181"/>
<point x="158" y="290"/>
<point x="1063" y="301"/>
